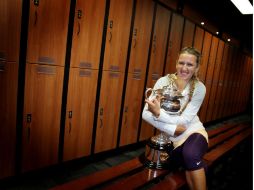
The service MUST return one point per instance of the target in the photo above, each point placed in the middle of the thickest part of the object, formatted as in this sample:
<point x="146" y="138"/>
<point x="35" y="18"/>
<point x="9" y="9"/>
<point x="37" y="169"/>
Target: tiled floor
<point x="218" y="177"/>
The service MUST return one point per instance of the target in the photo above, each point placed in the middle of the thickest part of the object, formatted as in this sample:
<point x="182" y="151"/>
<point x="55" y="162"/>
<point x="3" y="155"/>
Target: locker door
<point x="80" y="113"/>
<point x="157" y="57"/>
<point x="217" y="68"/>
<point x="47" y="31"/>
<point x="132" y="108"/>
<point x="118" y="32"/>
<point x="109" y="111"/>
<point x="141" y="35"/>
<point x="42" y="110"/>
<point x="221" y="84"/>
<point x="225" y="83"/>
<point x="175" y="40"/>
<point x="137" y="69"/>
<point x="8" y="105"/>
<point x="87" y="33"/>
<point x="189" y="28"/>
<point x="10" y="22"/>
<point x="198" y="38"/>
<point x="209" y="78"/>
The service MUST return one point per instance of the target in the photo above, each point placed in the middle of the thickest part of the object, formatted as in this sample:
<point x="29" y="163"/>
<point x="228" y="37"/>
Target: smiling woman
<point x="187" y="133"/>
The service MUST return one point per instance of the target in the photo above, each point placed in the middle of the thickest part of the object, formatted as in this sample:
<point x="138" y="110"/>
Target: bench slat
<point x="137" y="180"/>
<point x="100" y="176"/>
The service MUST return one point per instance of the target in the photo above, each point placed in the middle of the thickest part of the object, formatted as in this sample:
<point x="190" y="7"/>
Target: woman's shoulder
<point x="199" y="86"/>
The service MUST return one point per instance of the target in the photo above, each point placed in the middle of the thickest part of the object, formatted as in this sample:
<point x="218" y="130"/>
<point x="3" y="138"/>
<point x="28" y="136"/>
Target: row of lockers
<point x="92" y="102"/>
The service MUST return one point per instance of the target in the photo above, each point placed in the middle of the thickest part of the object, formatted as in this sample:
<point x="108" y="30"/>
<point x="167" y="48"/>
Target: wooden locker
<point x="80" y="113"/>
<point x="248" y="83"/>
<point x="87" y="33"/>
<point x="41" y="119"/>
<point x="132" y="108"/>
<point x="118" y="33"/>
<point x="175" y="40"/>
<point x="10" y="24"/>
<point x="8" y="105"/>
<point x="227" y="101"/>
<point x="109" y="111"/>
<point x="188" y="33"/>
<point x="198" y="38"/>
<point x="141" y="36"/>
<point x="204" y="62"/>
<point x="170" y="3"/>
<point x="136" y="73"/>
<point x="47" y="31"/>
<point x="218" y="102"/>
<point x="157" y="57"/>
<point x="209" y="78"/>
<point x="225" y="83"/>
<point x="215" y="81"/>
<point x="205" y="56"/>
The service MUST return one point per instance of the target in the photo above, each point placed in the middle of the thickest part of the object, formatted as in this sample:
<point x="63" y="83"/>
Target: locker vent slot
<point x="85" y="65"/>
<point x="136" y="76"/>
<point x="84" y="73"/>
<point x="2" y="56"/>
<point x="114" y="75"/>
<point x="114" y="68"/>
<point x="137" y="71"/>
<point x="46" y="70"/>
<point x="47" y="60"/>
<point x="155" y="76"/>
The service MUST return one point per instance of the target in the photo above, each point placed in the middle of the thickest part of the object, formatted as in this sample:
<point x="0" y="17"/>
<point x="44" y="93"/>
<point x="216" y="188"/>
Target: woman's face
<point x="186" y="66"/>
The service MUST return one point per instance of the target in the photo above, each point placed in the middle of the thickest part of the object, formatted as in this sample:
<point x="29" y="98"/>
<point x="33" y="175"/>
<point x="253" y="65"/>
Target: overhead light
<point x="244" y="6"/>
<point x="229" y="39"/>
<point x="217" y="33"/>
<point x="202" y="23"/>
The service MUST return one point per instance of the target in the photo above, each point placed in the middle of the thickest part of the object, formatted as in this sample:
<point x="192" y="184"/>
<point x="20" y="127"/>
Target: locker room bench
<point x="132" y="174"/>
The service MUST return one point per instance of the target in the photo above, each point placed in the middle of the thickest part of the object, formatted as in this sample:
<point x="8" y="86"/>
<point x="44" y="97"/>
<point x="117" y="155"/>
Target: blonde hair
<point x="192" y="51"/>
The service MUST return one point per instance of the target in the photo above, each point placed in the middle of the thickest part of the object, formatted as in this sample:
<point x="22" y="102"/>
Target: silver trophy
<point x="158" y="147"/>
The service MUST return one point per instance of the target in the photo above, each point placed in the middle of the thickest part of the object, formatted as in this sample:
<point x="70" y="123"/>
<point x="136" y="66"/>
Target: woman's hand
<point x="154" y="106"/>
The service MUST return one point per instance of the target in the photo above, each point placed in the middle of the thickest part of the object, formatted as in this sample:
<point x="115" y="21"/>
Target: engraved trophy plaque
<point x="158" y="147"/>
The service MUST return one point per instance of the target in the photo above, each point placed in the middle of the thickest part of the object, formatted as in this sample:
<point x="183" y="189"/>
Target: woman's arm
<point x="188" y="114"/>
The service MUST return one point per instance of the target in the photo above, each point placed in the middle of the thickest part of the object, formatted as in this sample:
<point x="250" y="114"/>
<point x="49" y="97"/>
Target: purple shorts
<point x="190" y="153"/>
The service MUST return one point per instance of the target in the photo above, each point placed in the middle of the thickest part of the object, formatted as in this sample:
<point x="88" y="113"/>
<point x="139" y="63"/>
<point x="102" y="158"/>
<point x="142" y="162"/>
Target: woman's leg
<point x="193" y="150"/>
<point x="196" y="179"/>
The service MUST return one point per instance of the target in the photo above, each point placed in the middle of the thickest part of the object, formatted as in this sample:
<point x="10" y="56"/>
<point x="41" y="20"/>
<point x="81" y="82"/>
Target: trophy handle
<point x="147" y="90"/>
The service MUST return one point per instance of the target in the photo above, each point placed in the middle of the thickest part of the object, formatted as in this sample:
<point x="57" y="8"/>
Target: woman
<point x="185" y="130"/>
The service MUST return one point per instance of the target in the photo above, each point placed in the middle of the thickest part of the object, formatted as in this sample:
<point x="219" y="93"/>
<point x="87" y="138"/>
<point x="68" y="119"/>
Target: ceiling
<point x="228" y="18"/>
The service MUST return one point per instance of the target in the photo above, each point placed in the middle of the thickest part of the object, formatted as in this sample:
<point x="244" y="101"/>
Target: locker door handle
<point x="134" y="43"/>
<point x="78" y="29"/>
<point x="125" y="115"/>
<point x="110" y="36"/>
<point x="70" y="117"/>
<point x="101" y="119"/>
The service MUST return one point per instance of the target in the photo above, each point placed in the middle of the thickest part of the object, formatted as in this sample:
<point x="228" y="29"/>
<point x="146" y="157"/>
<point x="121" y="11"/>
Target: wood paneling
<point x="109" y="111"/>
<point x="41" y="119"/>
<point x="136" y="72"/>
<point x="215" y="81"/>
<point x="209" y="77"/>
<point x="218" y="102"/>
<point x="157" y="58"/>
<point x="198" y="38"/>
<point x="80" y="113"/>
<point x="118" y="32"/>
<point x="188" y="34"/>
<point x="8" y="104"/>
<point x="175" y="40"/>
<point x="87" y="33"/>
<point x="47" y="31"/>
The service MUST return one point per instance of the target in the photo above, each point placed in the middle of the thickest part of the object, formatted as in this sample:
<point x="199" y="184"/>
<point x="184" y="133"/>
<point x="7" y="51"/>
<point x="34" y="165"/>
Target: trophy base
<point x="156" y="155"/>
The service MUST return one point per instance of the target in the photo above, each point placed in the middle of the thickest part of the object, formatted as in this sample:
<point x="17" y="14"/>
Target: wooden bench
<point x="132" y="174"/>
